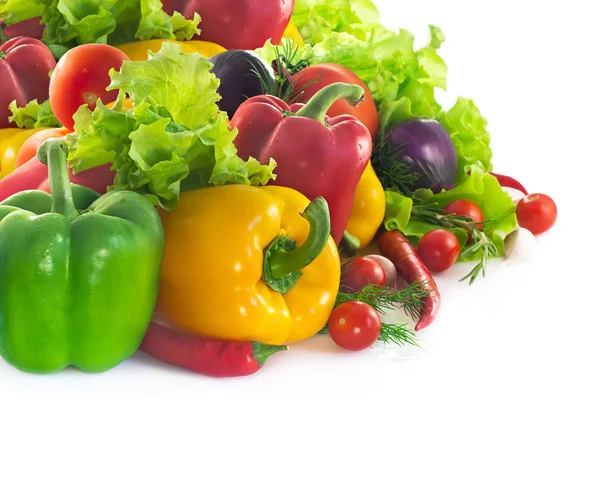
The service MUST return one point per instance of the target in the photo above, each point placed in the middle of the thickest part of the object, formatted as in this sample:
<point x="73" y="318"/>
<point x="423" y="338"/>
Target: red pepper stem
<point x="261" y="351"/>
<point x="317" y="107"/>
<point x="283" y="263"/>
<point x="52" y="153"/>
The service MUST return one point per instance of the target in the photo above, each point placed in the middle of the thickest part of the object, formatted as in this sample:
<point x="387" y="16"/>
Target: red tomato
<point x="439" y="250"/>
<point x="537" y="213"/>
<point x="361" y="272"/>
<point x="466" y="208"/>
<point x="81" y="77"/>
<point x="310" y="80"/>
<point x="29" y="148"/>
<point x="354" y="325"/>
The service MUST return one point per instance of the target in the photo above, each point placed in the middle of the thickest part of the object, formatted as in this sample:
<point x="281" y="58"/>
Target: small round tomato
<point x="439" y="250"/>
<point x="537" y="213"/>
<point x="354" y="325"/>
<point x="81" y="77"/>
<point x="466" y="208"/>
<point x="310" y="80"/>
<point x="360" y="272"/>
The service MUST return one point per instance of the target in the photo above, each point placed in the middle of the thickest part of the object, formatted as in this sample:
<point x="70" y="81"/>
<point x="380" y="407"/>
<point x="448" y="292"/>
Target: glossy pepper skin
<point x="212" y="357"/>
<point x="243" y="24"/>
<point x="11" y="141"/>
<point x="368" y="208"/>
<point x="25" y="65"/>
<point x="33" y="175"/>
<point x="31" y="28"/>
<point x="76" y="288"/>
<point x="138" y="51"/>
<point x="212" y="280"/>
<point x="316" y="155"/>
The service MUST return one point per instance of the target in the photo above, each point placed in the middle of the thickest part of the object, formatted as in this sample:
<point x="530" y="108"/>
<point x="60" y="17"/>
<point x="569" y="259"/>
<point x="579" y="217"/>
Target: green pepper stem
<point x="319" y="104"/>
<point x="52" y="153"/>
<point x="283" y="263"/>
<point x="261" y="351"/>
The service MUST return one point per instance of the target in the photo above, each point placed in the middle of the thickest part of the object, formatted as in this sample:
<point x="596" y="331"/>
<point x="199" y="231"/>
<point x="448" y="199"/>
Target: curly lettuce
<point x="76" y="22"/>
<point x="172" y="139"/>
<point x="33" y="115"/>
<point x="401" y="78"/>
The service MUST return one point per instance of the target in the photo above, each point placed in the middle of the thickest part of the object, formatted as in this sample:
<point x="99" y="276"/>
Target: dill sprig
<point x="384" y="299"/>
<point x="285" y="67"/>
<point x="393" y="174"/>
<point x="481" y="242"/>
<point x="398" y="334"/>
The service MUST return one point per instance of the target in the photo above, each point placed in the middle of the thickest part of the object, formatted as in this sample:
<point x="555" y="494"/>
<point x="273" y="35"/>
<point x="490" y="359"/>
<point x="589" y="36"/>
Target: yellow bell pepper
<point x="292" y="32"/>
<point x="214" y="280"/>
<point x="138" y="51"/>
<point x="11" y="140"/>
<point x="368" y="208"/>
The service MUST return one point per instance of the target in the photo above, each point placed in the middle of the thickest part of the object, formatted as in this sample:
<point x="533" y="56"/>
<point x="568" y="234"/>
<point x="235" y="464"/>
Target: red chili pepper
<point x="316" y="155"/>
<point x="25" y="65"/>
<point x="213" y="357"/>
<point x="396" y="247"/>
<point x="507" y="181"/>
<point x="33" y="175"/>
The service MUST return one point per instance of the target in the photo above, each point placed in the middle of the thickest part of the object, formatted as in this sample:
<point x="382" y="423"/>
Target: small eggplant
<point x="425" y="148"/>
<point x="242" y="75"/>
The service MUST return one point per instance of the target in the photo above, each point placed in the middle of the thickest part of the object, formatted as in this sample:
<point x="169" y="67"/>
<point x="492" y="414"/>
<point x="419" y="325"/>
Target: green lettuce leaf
<point x="479" y="187"/>
<point x="401" y="78"/>
<point x="76" y="22"/>
<point x="467" y="128"/>
<point x="14" y="11"/>
<point x="33" y="115"/>
<point x="156" y="23"/>
<point x="173" y="138"/>
<point x="317" y="18"/>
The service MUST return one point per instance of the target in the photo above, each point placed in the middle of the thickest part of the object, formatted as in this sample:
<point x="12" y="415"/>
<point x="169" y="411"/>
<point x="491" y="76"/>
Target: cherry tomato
<point x="359" y="273"/>
<point x="81" y="77"/>
<point x="29" y="148"/>
<point x="466" y="208"/>
<point x="310" y="80"/>
<point x="536" y="212"/>
<point x="439" y="250"/>
<point x="354" y="325"/>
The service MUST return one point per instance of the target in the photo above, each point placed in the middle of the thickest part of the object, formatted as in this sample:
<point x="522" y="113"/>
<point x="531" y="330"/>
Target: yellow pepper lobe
<point x="138" y="51"/>
<point x="11" y="141"/>
<point x="211" y="281"/>
<point x="368" y="208"/>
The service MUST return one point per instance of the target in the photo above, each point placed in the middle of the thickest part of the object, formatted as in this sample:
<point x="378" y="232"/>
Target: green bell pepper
<point x="79" y="273"/>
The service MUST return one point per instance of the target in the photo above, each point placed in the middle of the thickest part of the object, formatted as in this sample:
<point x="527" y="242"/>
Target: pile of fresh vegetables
<point x="211" y="181"/>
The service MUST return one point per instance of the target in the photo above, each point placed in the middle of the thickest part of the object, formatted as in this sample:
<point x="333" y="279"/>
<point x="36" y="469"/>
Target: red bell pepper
<point x="316" y="155"/>
<point x="237" y="24"/>
<point x="213" y="357"/>
<point x="30" y="27"/>
<point x="33" y="175"/>
<point x="25" y="65"/>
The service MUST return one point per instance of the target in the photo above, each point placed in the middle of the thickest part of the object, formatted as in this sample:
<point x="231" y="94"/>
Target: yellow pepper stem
<point x="284" y="261"/>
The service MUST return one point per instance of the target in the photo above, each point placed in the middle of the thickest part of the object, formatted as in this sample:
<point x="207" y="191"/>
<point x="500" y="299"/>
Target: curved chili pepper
<point x="507" y="181"/>
<point x="396" y="247"/>
<point x="212" y="357"/>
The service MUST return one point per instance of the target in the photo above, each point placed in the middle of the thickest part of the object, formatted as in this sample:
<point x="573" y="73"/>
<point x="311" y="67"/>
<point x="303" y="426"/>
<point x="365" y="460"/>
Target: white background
<point x="503" y="403"/>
